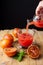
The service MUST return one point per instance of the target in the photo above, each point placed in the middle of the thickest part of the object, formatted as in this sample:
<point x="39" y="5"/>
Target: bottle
<point x="38" y="21"/>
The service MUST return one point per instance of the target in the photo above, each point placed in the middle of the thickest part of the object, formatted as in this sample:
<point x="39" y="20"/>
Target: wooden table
<point x="5" y="60"/>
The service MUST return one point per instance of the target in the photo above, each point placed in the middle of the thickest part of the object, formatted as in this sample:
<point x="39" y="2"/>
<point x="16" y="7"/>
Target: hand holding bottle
<point x="39" y="9"/>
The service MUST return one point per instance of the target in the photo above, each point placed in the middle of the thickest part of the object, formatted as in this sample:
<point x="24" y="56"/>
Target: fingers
<point x="39" y="8"/>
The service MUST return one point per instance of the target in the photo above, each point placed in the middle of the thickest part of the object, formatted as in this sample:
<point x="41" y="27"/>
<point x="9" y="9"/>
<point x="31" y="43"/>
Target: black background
<point x="14" y="13"/>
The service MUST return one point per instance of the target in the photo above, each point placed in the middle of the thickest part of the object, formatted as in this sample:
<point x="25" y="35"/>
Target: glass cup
<point x="25" y="39"/>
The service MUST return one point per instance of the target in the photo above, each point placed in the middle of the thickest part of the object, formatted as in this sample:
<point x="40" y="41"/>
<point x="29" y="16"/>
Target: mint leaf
<point x="19" y="56"/>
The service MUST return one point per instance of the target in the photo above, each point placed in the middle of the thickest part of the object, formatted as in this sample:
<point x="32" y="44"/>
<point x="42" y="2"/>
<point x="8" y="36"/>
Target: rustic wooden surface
<point x="5" y="60"/>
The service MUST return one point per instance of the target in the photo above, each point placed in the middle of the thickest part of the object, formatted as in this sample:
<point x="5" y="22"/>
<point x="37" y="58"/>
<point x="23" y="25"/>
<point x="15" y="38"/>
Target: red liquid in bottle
<point x="39" y="23"/>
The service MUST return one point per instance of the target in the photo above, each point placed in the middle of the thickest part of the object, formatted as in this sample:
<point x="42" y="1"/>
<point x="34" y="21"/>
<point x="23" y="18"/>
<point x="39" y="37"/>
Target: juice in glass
<point x="25" y="39"/>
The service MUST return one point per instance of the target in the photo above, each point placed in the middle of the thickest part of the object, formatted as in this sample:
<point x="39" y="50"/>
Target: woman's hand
<point x="39" y="9"/>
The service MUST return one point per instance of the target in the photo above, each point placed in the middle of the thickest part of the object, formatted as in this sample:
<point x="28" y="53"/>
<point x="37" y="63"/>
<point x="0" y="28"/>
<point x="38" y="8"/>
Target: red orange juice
<point x="39" y="23"/>
<point x="25" y="39"/>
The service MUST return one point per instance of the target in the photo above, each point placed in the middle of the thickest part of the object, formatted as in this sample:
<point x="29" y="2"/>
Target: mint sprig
<point x="19" y="56"/>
